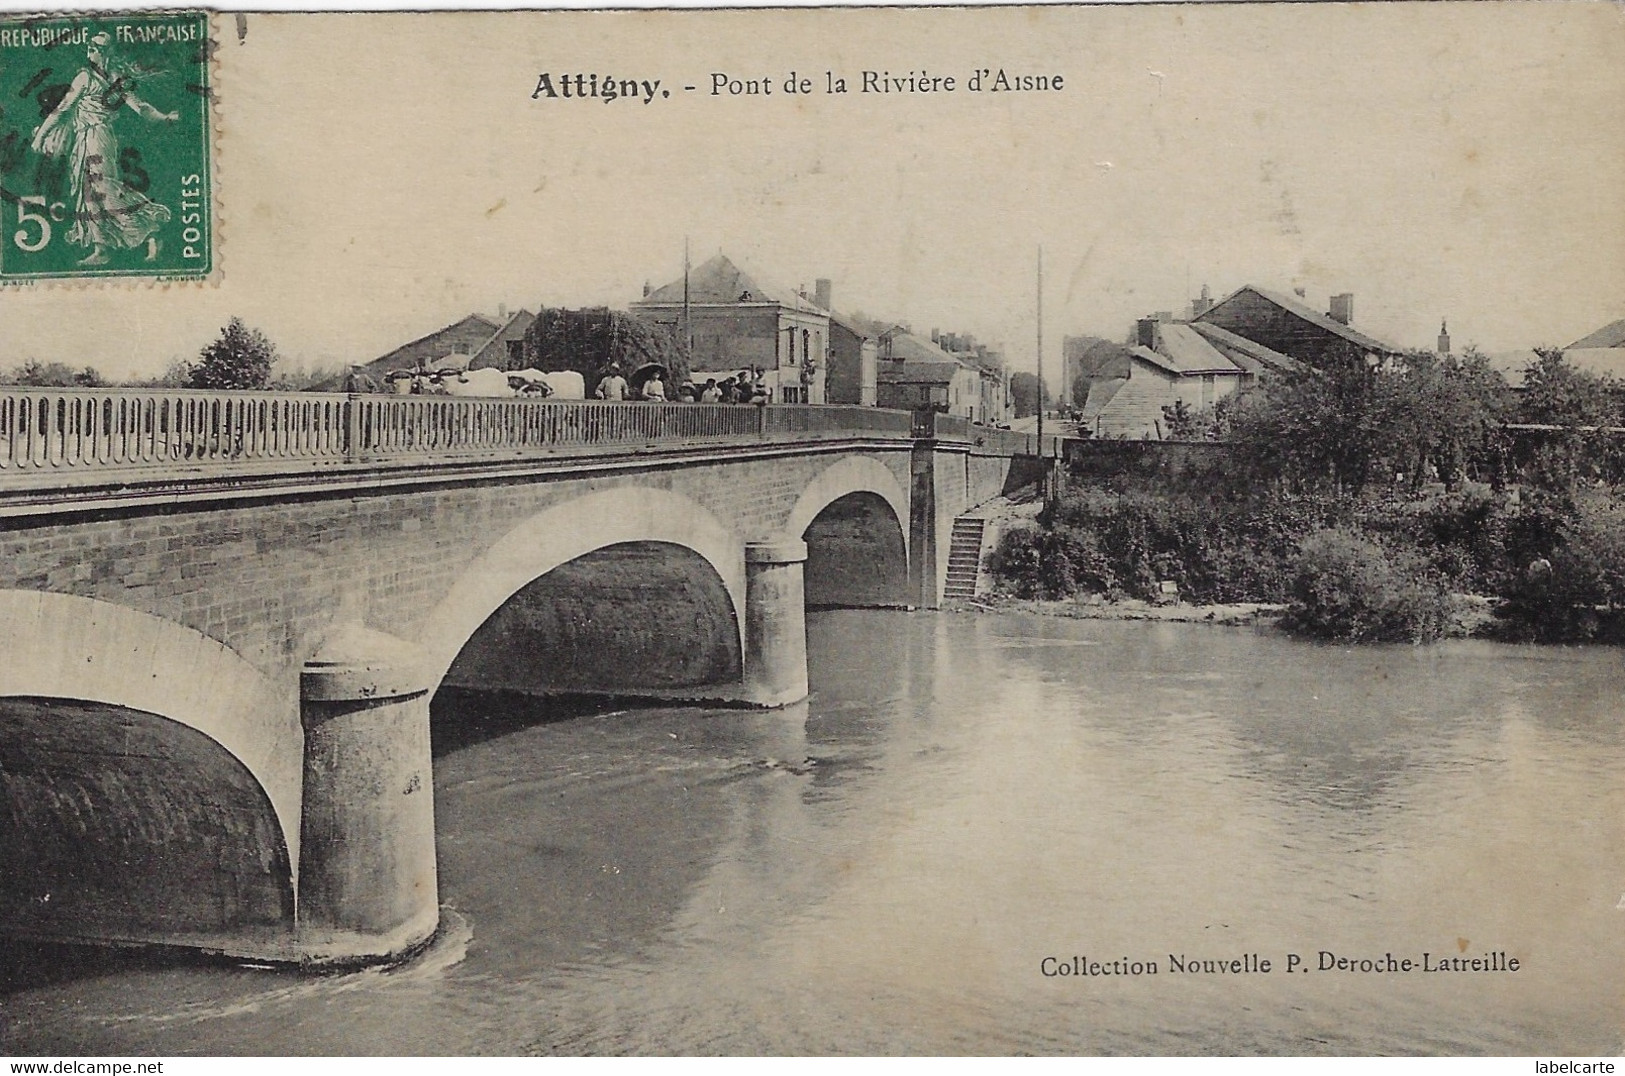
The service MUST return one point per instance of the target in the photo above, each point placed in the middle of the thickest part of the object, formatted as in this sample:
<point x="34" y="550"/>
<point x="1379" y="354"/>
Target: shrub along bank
<point x="1367" y="569"/>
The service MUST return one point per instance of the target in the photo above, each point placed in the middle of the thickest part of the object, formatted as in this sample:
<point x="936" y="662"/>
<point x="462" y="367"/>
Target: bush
<point x="1348" y="588"/>
<point x="1575" y="591"/>
<point x="1462" y="534"/>
<point x="1216" y="551"/>
<point x="1035" y="562"/>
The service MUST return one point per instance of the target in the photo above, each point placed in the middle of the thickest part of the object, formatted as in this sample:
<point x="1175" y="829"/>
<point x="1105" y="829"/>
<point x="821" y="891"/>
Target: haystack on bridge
<point x="227" y="612"/>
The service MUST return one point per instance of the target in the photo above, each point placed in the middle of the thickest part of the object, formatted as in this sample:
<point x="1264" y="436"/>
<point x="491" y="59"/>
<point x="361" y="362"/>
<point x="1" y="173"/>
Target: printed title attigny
<point x="606" y="88"/>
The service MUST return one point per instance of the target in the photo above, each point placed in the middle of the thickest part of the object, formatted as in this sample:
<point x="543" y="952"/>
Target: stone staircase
<point x="964" y="558"/>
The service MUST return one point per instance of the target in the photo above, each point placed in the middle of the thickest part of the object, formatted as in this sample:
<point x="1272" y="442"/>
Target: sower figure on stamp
<point x="108" y="212"/>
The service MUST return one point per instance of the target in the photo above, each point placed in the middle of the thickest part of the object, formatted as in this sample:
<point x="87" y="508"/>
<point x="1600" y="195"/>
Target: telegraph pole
<point x="1040" y="351"/>
<point x="688" y="325"/>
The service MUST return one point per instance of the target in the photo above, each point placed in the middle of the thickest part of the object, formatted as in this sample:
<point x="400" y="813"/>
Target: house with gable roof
<point x="470" y="342"/>
<point x="1167" y="363"/>
<point x="505" y="350"/>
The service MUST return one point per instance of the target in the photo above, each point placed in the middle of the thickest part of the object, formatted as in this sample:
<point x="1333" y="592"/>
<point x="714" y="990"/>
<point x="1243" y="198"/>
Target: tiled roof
<point x="1611" y="335"/>
<point x="910" y="348"/>
<point x="1250" y="355"/>
<point x="1161" y="362"/>
<point x="1190" y="352"/>
<point x="463" y="336"/>
<point x="719" y="280"/>
<point x="1134" y="408"/>
<point x="849" y="325"/>
<point x="915" y="373"/>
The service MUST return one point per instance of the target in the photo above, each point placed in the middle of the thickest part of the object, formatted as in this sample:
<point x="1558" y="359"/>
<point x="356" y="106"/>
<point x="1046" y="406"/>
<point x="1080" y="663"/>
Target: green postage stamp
<point x="105" y="147"/>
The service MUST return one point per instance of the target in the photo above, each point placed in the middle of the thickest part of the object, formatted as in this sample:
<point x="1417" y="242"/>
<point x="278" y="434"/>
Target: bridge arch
<point x="849" y="474"/>
<point x="159" y="720"/>
<point x="596" y="523"/>
<point x="854" y="517"/>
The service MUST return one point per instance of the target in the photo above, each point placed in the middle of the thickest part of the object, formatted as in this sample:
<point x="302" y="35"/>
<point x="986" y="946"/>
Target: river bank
<point x="1095" y="607"/>
<point x="1472" y="615"/>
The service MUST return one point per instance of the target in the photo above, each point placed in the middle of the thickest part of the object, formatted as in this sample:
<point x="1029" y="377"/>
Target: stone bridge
<point x="227" y="613"/>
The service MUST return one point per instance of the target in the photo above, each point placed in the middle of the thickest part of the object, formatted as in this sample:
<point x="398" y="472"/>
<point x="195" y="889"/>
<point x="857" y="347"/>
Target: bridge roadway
<point x="227" y="614"/>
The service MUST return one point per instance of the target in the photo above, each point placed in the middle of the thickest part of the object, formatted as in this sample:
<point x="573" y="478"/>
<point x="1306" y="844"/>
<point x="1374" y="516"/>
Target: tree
<point x="1349" y="424"/>
<point x="589" y="340"/>
<point x="1313" y="427"/>
<point x="1024" y="394"/>
<point x="1581" y="406"/>
<point x="1182" y="422"/>
<point x="1445" y="415"/>
<point x="299" y="378"/>
<point x="1555" y="392"/>
<point x="240" y="359"/>
<point x="43" y="374"/>
<point x="175" y="375"/>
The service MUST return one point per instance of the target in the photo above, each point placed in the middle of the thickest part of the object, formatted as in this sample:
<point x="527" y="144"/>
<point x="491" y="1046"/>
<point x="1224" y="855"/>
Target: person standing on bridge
<point x="358" y="380"/>
<point x="613" y="385"/>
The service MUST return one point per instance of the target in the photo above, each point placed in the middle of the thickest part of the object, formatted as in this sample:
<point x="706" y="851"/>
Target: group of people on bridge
<point x="746" y="387"/>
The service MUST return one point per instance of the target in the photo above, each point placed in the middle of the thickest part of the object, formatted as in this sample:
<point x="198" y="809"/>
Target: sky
<point x="382" y="175"/>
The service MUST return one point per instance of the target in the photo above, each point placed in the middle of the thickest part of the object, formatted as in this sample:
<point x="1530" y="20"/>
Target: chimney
<point x="1202" y="305"/>
<point x="1444" y="338"/>
<point x="502" y="311"/>
<point x="822" y="293"/>
<point x="936" y="337"/>
<point x="1342" y="310"/>
<point x="646" y="289"/>
<point x="1146" y="333"/>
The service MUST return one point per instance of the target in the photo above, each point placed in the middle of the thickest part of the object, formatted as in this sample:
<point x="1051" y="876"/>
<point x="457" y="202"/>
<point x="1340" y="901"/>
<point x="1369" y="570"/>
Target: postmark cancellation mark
<point x="105" y="147"/>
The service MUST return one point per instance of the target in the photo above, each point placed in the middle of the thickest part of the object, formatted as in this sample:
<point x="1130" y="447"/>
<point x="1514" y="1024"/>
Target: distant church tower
<point x="1444" y="338"/>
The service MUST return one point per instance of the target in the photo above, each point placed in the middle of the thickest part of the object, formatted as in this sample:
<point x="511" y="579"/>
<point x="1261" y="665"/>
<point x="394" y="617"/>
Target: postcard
<point x="1081" y="529"/>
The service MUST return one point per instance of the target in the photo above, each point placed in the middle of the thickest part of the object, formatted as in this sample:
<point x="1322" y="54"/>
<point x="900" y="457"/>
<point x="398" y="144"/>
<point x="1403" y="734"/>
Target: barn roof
<point x="1314" y="317"/>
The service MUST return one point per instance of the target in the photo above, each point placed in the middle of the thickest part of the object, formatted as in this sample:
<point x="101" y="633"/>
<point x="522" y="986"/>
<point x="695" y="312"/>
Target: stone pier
<point x="775" y="621"/>
<point x="367" y="884"/>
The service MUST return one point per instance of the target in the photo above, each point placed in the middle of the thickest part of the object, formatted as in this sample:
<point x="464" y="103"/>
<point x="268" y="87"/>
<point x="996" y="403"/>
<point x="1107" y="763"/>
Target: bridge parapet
<point x="74" y="437"/>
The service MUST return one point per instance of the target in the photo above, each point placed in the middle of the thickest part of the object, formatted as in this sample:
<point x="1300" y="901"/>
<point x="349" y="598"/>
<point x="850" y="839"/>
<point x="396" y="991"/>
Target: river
<point x="886" y="868"/>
